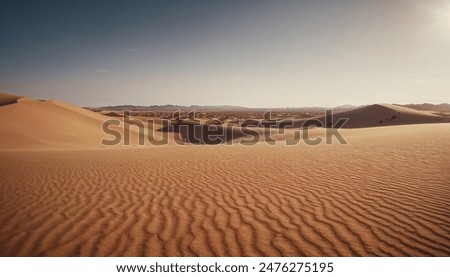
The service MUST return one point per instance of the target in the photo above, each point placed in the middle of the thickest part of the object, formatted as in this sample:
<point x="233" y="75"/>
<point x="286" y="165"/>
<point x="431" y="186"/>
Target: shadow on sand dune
<point x="211" y="132"/>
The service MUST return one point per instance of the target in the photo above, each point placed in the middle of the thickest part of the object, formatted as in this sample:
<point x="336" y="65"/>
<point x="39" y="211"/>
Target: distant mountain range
<point x="171" y="107"/>
<point x="444" y="107"/>
<point x="219" y="107"/>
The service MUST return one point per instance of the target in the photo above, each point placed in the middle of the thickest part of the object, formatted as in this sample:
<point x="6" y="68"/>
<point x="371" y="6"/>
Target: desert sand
<point x="385" y="193"/>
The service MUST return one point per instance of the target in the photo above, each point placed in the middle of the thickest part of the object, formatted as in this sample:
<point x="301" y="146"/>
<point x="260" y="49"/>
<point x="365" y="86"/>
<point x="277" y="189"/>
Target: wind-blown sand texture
<point x="386" y="193"/>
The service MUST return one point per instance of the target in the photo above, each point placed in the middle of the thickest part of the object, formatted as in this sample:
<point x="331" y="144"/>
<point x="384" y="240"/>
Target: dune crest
<point x="385" y="115"/>
<point x="7" y="99"/>
<point x="27" y="124"/>
<point x="33" y="124"/>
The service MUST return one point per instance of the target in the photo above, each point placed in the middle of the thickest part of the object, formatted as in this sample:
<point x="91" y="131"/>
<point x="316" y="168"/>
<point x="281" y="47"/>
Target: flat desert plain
<point x="385" y="193"/>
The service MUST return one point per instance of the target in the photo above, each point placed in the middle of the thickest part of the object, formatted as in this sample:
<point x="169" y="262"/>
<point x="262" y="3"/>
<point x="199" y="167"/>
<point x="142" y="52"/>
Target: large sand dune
<point x="29" y="124"/>
<point x="33" y="124"/>
<point x="386" y="193"/>
<point x="376" y="115"/>
<point x="388" y="115"/>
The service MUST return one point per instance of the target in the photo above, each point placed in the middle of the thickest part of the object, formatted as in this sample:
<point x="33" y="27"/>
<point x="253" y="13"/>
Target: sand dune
<point x="207" y="132"/>
<point x="31" y="124"/>
<point x="386" y="193"/>
<point x="26" y="123"/>
<point x="378" y="115"/>
<point x="6" y="99"/>
<point x="390" y="199"/>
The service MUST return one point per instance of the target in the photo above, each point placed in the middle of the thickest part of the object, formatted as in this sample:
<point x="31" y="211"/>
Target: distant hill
<point x="444" y="107"/>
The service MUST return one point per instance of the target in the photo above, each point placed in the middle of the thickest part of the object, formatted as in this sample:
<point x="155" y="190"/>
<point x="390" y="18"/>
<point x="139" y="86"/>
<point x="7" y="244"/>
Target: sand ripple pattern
<point x="378" y="198"/>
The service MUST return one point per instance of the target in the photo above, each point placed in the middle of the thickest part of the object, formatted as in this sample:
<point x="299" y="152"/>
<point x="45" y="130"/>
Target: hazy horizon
<point x="267" y="107"/>
<point x="253" y="54"/>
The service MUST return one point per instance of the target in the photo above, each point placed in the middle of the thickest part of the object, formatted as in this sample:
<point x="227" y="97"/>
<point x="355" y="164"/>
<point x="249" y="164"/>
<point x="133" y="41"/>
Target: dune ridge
<point x="7" y="99"/>
<point x="378" y="115"/>
<point x="30" y="124"/>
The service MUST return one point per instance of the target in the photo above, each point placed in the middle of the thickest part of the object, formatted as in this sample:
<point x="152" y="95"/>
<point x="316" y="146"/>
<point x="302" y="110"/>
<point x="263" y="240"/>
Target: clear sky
<point x="248" y="53"/>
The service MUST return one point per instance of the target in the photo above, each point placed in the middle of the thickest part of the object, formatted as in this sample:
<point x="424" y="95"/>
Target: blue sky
<point x="248" y="53"/>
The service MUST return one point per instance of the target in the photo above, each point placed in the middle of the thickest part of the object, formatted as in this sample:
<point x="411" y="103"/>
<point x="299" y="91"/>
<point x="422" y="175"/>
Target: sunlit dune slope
<point x="386" y="115"/>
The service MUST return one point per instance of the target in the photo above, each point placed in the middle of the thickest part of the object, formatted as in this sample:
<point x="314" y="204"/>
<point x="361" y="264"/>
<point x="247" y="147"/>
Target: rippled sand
<point x="386" y="193"/>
